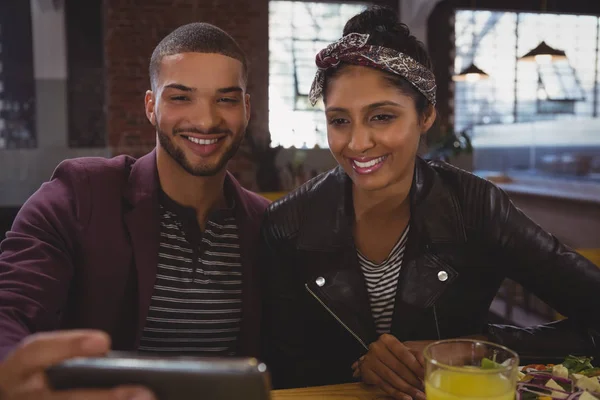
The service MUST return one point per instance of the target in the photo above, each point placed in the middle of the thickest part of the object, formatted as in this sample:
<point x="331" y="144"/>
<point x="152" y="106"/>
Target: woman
<point x="367" y="263"/>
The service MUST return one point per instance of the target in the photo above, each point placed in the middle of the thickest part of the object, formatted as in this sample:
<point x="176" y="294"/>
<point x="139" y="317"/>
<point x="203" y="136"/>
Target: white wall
<point x="49" y="41"/>
<point x="567" y="132"/>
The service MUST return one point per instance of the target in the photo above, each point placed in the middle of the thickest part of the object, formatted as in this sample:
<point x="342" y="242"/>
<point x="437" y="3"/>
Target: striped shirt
<point x="382" y="282"/>
<point x="196" y="303"/>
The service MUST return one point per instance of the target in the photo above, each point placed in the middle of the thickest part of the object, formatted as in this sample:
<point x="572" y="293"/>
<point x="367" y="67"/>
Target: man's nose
<point x="206" y="116"/>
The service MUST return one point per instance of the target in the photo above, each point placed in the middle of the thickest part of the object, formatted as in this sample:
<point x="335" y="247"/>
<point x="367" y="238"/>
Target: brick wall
<point x="132" y="30"/>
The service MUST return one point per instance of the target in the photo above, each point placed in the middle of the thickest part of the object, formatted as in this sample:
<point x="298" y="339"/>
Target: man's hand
<point x="23" y="377"/>
<point x="393" y="367"/>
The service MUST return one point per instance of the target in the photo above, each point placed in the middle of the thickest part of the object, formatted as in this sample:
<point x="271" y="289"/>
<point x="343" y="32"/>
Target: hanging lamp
<point x="470" y="74"/>
<point x="544" y="54"/>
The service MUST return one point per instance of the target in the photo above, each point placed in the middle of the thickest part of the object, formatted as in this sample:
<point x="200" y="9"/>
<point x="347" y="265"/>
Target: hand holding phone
<point x="22" y="373"/>
<point x="172" y="378"/>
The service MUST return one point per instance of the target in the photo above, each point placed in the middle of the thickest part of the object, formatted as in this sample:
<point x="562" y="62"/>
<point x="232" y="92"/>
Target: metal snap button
<point x="320" y="281"/>
<point x="443" y="276"/>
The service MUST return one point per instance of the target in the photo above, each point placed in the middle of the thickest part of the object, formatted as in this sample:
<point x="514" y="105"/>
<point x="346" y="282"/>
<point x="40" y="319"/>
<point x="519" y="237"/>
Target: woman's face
<point x="373" y="128"/>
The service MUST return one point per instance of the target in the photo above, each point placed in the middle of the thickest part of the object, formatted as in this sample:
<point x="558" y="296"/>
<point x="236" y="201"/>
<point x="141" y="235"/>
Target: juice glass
<point x="470" y="370"/>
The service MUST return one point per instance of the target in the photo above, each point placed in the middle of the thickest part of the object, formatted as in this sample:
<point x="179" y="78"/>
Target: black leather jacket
<point x="465" y="237"/>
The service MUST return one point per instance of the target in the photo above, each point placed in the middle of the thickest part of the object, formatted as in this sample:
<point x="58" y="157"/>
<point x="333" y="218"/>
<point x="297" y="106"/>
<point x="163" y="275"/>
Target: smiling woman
<point x="369" y="262"/>
<point x="373" y="126"/>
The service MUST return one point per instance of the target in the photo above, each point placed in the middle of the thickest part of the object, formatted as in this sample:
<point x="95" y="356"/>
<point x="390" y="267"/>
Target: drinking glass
<point x="470" y="369"/>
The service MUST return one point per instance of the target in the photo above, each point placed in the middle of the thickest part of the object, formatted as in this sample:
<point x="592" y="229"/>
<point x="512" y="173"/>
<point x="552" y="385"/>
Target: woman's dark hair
<point x="385" y="30"/>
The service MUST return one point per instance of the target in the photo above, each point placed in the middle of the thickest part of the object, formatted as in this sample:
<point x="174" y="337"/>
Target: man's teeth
<point x="368" y="163"/>
<point x="202" y="141"/>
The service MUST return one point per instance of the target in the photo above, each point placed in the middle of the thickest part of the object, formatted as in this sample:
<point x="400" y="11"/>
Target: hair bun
<point x="376" y="19"/>
<point x="384" y="29"/>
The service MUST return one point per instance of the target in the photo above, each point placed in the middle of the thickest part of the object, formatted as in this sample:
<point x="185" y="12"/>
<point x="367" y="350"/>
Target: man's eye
<point x="338" y="121"/>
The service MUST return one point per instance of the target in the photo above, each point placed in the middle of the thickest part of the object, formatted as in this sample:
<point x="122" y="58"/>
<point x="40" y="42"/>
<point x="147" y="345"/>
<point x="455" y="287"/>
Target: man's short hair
<point x="197" y="37"/>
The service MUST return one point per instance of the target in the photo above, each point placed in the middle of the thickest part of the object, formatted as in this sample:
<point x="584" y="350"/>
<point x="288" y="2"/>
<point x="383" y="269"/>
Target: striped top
<point x="382" y="282"/>
<point x="196" y="303"/>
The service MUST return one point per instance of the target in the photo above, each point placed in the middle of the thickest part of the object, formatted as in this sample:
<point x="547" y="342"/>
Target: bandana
<point x="353" y="49"/>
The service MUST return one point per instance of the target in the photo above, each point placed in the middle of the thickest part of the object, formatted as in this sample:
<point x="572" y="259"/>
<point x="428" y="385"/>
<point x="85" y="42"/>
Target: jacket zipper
<point x="336" y="317"/>
<point x="437" y="326"/>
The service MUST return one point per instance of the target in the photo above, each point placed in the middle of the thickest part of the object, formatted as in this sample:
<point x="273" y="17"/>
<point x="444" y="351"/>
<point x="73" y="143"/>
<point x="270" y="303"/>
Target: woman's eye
<point x="179" y="98"/>
<point x="383" y="117"/>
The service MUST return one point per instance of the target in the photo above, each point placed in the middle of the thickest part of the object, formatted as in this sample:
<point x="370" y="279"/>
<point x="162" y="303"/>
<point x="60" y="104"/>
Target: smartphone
<point x="169" y="378"/>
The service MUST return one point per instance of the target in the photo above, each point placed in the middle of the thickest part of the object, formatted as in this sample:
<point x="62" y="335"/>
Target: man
<point x="159" y="252"/>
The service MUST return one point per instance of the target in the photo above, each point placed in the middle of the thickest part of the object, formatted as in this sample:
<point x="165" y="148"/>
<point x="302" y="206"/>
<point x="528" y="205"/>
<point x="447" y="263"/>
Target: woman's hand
<point x="394" y="367"/>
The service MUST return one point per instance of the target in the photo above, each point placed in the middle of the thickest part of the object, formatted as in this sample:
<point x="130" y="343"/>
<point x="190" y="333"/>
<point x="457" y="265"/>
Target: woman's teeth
<point x="202" y="141"/>
<point x="368" y="164"/>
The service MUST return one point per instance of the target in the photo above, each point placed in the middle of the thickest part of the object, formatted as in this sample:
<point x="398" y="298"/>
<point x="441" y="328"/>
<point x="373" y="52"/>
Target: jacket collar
<point x="143" y="185"/>
<point x="435" y="206"/>
<point x="142" y="220"/>
<point x="435" y="212"/>
<point x="326" y="218"/>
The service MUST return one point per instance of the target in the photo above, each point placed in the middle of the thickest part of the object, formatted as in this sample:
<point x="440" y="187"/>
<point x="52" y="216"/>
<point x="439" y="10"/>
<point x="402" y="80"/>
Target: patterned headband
<point x="353" y="49"/>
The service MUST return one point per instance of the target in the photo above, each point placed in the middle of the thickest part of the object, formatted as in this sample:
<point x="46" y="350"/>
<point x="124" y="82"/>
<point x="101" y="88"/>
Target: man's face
<point x="200" y="109"/>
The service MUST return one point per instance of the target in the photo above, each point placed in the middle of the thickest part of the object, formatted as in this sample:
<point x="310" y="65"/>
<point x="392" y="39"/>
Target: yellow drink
<point x="473" y="385"/>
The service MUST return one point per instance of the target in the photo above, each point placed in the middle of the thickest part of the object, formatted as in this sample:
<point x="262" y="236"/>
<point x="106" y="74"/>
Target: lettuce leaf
<point x="576" y="364"/>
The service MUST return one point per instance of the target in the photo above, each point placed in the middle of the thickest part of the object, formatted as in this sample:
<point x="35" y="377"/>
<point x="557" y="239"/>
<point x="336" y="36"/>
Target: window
<point x="297" y="31"/>
<point x="17" y="85"/>
<point x="531" y="116"/>
<point x="558" y="81"/>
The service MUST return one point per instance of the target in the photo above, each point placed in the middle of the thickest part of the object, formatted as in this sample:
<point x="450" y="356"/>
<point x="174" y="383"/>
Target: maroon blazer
<point x="83" y="253"/>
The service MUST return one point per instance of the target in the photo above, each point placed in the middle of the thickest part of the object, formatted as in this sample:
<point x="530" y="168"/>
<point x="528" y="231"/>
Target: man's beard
<point x="178" y="155"/>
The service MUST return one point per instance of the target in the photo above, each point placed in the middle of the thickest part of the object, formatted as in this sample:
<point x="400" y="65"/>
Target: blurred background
<point x="518" y="97"/>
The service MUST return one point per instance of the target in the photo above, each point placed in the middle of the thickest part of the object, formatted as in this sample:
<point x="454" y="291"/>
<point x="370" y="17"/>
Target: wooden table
<point x="591" y="254"/>
<point x="347" y="391"/>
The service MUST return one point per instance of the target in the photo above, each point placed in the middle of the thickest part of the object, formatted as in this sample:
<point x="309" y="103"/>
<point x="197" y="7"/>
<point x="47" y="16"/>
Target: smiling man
<point x="158" y="252"/>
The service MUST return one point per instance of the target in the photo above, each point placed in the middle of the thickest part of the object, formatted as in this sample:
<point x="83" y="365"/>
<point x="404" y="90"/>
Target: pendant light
<point x="472" y="73"/>
<point x="543" y="54"/>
